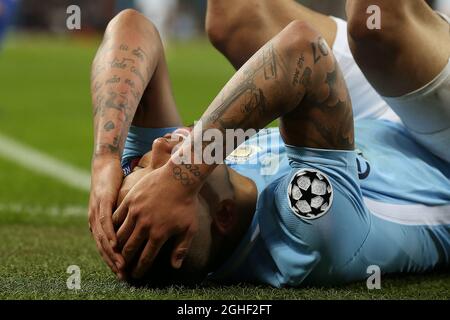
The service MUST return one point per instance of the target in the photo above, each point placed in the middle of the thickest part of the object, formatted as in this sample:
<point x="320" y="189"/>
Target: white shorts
<point x="425" y="112"/>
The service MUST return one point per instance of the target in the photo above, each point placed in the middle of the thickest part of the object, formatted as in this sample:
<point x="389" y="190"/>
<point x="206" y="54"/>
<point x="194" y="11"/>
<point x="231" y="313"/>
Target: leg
<point x="413" y="45"/>
<point x="239" y="28"/>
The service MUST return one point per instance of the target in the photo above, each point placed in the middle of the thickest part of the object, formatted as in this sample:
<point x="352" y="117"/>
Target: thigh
<point x="157" y="108"/>
<point x="410" y="50"/>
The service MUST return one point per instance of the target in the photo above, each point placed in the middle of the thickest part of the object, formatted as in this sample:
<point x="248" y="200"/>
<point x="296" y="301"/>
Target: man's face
<point x="197" y="259"/>
<point x="159" y="155"/>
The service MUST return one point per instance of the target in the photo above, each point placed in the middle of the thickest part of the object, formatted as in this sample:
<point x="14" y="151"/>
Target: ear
<point x="225" y="218"/>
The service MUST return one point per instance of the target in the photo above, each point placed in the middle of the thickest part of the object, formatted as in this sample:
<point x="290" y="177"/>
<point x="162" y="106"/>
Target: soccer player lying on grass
<point x="312" y="220"/>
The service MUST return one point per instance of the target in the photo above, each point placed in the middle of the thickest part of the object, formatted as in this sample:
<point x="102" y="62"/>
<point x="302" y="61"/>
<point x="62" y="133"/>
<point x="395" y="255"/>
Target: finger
<point x="120" y="214"/>
<point x="105" y="218"/>
<point x="146" y="259"/>
<point x="105" y="257"/>
<point x="133" y="244"/>
<point x="107" y="250"/>
<point x="181" y="248"/>
<point x="125" y="231"/>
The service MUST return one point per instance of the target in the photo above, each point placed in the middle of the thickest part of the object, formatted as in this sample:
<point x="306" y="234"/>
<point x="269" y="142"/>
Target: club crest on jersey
<point x="243" y="153"/>
<point x="310" y="194"/>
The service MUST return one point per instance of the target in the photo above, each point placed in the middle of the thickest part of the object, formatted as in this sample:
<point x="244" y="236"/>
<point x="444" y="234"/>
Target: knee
<point x="391" y="14"/>
<point x="224" y="24"/>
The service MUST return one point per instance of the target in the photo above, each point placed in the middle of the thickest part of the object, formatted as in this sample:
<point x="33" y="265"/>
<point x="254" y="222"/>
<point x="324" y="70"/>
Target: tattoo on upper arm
<point x="335" y="123"/>
<point x="325" y="102"/>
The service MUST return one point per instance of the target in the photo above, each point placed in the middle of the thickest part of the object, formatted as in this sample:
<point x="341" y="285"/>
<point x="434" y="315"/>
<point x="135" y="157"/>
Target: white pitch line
<point x="43" y="164"/>
<point x="37" y="209"/>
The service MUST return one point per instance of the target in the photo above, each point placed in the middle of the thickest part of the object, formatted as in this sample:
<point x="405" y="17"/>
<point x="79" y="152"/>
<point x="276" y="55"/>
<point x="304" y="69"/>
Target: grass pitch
<point x="45" y="103"/>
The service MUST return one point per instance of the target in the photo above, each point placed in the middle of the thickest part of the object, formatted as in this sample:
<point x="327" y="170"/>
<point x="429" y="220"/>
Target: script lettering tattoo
<point x="253" y="97"/>
<point x="138" y="73"/>
<point x="139" y="53"/>
<point x="114" y="106"/>
<point x="114" y="79"/>
<point x="121" y="64"/>
<point x="300" y="63"/>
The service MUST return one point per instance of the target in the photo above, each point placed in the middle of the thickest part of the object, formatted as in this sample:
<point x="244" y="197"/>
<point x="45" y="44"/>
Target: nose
<point x="163" y="147"/>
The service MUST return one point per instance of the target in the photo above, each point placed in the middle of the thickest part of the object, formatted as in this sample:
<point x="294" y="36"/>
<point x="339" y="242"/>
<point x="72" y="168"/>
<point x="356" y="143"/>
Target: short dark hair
<point x="162" y="274"/>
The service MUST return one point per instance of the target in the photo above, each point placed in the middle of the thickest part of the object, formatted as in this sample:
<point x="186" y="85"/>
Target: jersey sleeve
<point x="139" y="141"/>
<point x="320" y="210"/>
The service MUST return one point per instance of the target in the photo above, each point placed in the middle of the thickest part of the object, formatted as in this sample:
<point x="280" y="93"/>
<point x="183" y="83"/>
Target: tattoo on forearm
<point x="114" y="79"/>
<point x="139" y="53"/>
<point x="114" y="105"/>
<point x="121" y="64"/>
<point x="187" y="174"/>
<point x="252" y="98"/>
<point x="269" y="63"/>
<point x="109" y="126"/>
<point x="138" y="73"/>
<point x="130" y="83"/>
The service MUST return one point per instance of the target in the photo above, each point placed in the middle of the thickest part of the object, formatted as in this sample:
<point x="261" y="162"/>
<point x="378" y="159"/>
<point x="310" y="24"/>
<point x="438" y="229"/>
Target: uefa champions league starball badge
<point x="310" y="194"/>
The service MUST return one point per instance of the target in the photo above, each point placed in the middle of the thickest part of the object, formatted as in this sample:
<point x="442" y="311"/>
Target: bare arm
<point x="121" y="71"/>
<point x="294" y="77"/>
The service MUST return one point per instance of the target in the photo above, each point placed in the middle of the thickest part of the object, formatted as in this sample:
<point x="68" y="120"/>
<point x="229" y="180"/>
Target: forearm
<point x="268" y="86"/>
<point x="121" y="71"/>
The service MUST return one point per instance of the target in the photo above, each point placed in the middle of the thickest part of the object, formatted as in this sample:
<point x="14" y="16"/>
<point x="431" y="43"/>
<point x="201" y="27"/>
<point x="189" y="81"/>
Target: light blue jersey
<point x="323" y="217"/>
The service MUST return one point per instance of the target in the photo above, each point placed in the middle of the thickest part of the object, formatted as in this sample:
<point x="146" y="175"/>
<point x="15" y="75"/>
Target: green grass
<point x="45" y="103"/>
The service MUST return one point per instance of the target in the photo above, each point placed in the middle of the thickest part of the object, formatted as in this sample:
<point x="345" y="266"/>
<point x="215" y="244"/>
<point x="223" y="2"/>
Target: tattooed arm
<point x="121" y="70"/>
<point x="294" y="77"/>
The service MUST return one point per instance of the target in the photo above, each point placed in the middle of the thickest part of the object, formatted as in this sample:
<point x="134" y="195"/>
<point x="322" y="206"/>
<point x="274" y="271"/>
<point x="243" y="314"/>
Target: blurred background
<point x="46" y="131"/>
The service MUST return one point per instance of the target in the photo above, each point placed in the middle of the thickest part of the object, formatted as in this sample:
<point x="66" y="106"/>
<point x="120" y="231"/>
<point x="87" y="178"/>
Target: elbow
<point x="132" y="21"/>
